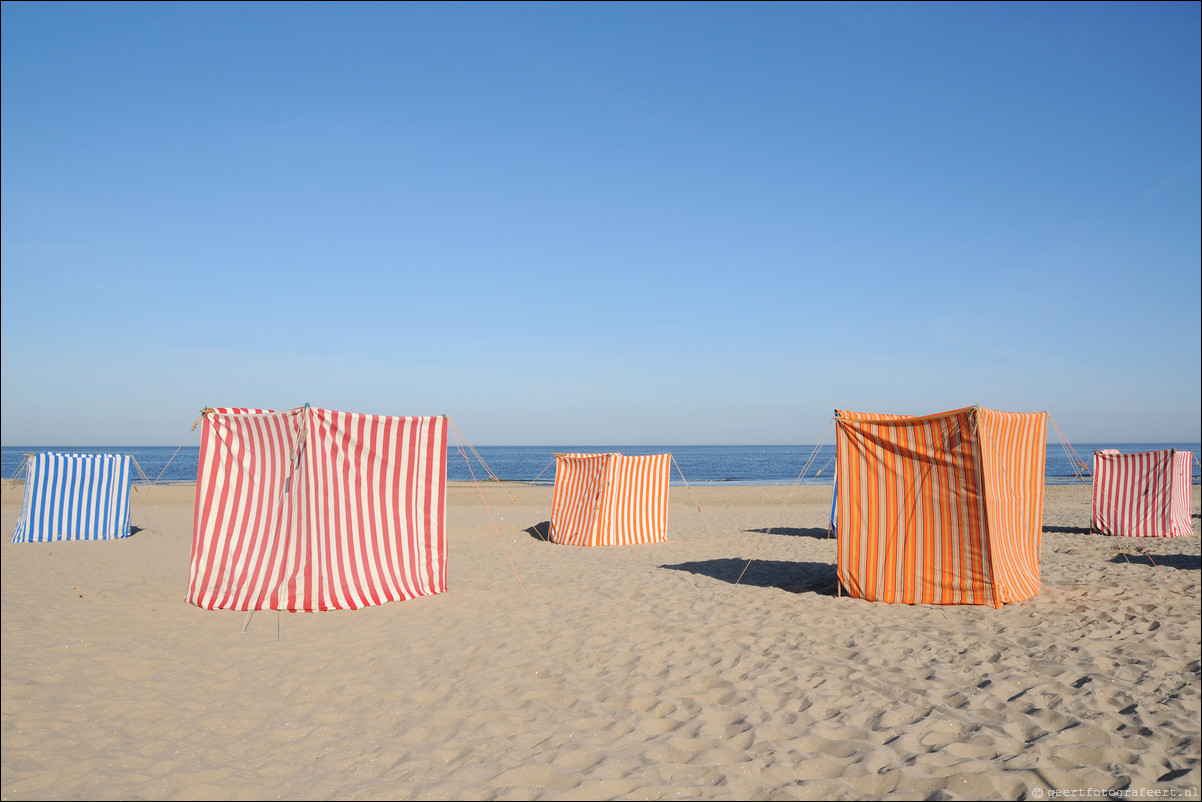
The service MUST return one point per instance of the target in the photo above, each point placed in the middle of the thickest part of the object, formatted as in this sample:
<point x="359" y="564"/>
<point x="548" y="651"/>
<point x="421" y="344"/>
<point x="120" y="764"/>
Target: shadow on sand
<point x="795" y="577"/>
<point x="540" y="531"/>
<point x="793" y="531"/>
<point x="1183" y="562"/>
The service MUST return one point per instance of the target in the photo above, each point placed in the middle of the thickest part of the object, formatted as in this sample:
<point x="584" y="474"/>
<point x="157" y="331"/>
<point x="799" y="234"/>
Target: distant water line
<point x="746" y="465"/>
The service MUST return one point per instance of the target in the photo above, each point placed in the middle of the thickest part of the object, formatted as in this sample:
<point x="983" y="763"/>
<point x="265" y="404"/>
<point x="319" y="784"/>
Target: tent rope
<point x="21" y="474"/>
<point x="1146" y="553"/>
<point x="825" y="465"/>
<point x="686" y="483"/>
<point x="461" y="443"/>
<point x="1080" y="469"/>
<point x="544" y="470"/>
<point x="789" y="498"/>
<point x="459" y="440"/>
<point x="203" y="412"/>
<point x="141" y="472"/>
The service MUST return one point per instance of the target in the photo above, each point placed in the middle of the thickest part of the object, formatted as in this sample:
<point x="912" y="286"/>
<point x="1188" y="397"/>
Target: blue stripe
<point x="75" y="497"/>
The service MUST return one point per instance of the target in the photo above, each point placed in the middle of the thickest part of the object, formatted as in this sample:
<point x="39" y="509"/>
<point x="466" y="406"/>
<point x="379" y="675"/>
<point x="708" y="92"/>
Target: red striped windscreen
<point x="313" y="509"/>
<point x="1142" y="495"/>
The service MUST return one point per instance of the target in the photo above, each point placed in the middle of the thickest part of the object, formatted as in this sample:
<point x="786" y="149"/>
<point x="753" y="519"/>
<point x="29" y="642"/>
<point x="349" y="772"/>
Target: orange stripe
<point x="943" y="509"/>
<point x="610" y="499"/>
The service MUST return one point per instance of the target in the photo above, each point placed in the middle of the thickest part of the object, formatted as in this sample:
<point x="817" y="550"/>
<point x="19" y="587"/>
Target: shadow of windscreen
<point x="794" y="531"/>
<point x="1183" y="562"/>
<point x="795" y="577"/>
<point x="540" y="531"/>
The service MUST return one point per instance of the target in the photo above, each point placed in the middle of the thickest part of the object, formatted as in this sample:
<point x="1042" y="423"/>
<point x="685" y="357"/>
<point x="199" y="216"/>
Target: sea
<point x="700" y="465"/>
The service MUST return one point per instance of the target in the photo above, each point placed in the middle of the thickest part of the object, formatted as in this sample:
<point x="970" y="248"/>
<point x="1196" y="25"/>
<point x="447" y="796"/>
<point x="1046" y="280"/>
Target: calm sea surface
<point x="749" y="465"/>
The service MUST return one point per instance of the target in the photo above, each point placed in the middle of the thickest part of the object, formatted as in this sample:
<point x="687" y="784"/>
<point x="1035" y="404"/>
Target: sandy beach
<point x="719" y="665"/>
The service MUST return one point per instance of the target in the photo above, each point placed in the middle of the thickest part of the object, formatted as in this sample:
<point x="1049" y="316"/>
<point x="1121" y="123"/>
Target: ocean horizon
<point x="748" y="465"/>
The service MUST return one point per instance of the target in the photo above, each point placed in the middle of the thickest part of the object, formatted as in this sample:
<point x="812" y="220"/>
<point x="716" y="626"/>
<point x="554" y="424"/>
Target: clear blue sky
<point x="601" y="224"/>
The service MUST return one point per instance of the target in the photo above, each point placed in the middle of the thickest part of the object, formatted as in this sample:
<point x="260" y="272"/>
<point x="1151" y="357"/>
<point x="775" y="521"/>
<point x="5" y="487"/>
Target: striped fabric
<point x="312" y="509"/>
<point x="1142" y="495"/>
<point x="74" y="497"/>
<point x="610" y="499"/>
<point x="941" y="509"/>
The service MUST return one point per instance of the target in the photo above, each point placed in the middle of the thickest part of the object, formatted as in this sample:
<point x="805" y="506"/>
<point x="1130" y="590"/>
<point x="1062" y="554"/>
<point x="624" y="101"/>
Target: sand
<point x="648" y="672"/>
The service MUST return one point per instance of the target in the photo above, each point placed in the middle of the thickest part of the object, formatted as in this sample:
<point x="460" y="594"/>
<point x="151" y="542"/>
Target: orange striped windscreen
<point x="1014" y="449"/>
<point x="610" y="499"/>
<point x="916" y="499"/>
<point x="575" y="500"/>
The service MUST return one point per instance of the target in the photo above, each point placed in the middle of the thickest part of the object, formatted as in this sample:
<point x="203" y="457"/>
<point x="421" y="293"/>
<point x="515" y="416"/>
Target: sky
<point x="607" y="224"/>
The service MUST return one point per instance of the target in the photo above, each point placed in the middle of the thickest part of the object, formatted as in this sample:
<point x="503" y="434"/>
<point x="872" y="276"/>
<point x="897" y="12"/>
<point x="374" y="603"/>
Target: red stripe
<point x="363" y="521"/>
<point x="1143" y="494"/>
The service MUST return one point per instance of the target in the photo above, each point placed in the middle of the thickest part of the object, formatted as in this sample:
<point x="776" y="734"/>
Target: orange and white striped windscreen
<point x="610" y="499"/>
<point x="940" y="509"/>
